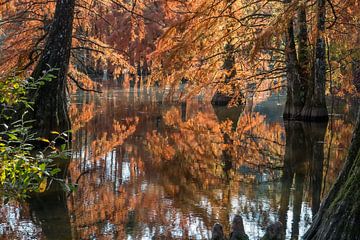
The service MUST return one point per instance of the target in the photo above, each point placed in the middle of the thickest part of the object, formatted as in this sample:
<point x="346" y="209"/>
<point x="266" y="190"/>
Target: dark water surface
<point x="170" y="171"/>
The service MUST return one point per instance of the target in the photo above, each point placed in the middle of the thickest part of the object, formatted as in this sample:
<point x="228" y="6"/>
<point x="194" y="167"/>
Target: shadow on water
<point x="304" y="157"/>
<point x="151" y="169"/>
<point x="49" y="209"/>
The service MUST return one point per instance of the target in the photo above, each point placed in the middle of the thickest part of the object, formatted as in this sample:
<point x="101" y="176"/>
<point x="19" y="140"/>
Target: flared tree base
<point x="314" y="114"/>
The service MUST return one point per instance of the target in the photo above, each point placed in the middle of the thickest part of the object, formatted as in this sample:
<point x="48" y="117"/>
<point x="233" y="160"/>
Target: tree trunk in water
<point x="224" y="98"/>
<point x="339" y="214"/>
<point x="295" y="94"/>
<point x="50" y="109"/>
<point x="315" y="110"/>
<point x="304" y="58"/>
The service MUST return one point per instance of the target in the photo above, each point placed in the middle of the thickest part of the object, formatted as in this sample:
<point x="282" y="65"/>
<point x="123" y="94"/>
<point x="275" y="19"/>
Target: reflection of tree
<point x="81" y="115"/>
<point x="258" y="143"/>
<point x="16" y="223"/>
<point x="175" y="185"/>
<point x="51" y="213"/>
<point x="181" y="148"/>
<point x="304" y="156"/>
<point x="106" y="142"/>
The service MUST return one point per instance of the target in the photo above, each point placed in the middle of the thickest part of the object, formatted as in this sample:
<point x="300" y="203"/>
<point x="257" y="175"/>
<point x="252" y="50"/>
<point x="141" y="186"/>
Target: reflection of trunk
<point x="224" y="98"/>
<point x="316" y="134"/>
<point x="295" y="146"/>
<point x="286" y="183"/>
<point x="304" y="145"/>
<point x="53" y="216"/>
<point x="50" y="209"/>
<point x="232" y="114"/>
<point x="50" y="108"/>
<point x="339" y="214"/>
<point x="183" y="111"/>
<point x="315" y="110"/>
<point x="298" y="192"/>
<point x="288" y="172"/>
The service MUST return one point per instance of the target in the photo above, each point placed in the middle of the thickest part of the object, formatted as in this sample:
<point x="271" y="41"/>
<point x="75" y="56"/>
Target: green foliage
<point x="14" y="91"/>
<point x="23" y="168"/>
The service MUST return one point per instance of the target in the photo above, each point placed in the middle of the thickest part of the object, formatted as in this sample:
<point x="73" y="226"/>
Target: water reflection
<point x="304" y="156"/>
<point x="49" y="212"/>
<point x="170" y="171"/>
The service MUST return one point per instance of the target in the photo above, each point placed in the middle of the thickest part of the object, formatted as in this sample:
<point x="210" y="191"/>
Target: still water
<point x="152" y="170"/>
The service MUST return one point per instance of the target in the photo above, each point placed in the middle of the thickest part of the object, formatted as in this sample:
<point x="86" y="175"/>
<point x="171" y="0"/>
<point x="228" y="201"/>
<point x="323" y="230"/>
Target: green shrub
<point x="23" y="168"/>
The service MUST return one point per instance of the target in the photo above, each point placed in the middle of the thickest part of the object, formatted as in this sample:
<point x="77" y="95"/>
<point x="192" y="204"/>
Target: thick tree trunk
<point x="221" y="98"/>
<point x="315" y="110"/>
<point x="306" y="79"/>
<point x="356" y="74"/>
<point x="50" y="109"/>
<point x="339" y="214"/>
<point x="294" y="101"/>
<point x="356" y="66"/>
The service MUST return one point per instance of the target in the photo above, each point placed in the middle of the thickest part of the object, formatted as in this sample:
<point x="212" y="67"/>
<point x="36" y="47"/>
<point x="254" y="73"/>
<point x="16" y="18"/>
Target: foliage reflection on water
<point x="167" y="171"/>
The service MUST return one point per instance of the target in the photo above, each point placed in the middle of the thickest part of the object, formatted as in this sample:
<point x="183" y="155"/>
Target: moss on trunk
<point x="339" y="214"/>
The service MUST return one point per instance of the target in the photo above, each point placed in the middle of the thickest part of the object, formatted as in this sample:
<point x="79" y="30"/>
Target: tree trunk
<point x="356" y="66"/>
<point x="224" y="98"/>
<point x="295" y="94"/>
<point x="315" y="110"/>
<point x="303" y="56"/>
<point x="50" y="109"/>
<point x="339" y="214"/>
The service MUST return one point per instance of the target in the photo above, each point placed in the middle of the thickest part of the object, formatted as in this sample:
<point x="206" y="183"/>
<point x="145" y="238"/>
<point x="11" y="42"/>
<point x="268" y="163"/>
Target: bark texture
<point x="297" y="66"/>
<point x="295" y="100"/>
<point x="315" y="109"/>
<point x="50" y="109"/>
<point x="305" y="86"/>
<point x="339" y="214"/>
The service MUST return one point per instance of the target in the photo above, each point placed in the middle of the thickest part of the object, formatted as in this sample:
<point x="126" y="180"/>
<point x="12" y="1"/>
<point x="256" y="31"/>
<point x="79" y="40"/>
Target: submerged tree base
<point x="221" y="99"/>
<point x="315" y="114"/>
<point x="292" y="112"/>
<point x="306" y="113"/>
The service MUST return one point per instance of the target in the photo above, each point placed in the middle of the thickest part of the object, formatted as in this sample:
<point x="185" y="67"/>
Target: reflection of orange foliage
<point x="258" y="143"/>
<point x="81" y="116"/>
<point x="202" y="140"/>
<point x="128" y="193"/>
<point x="160" y="146"/>
<point x="199" y="138"/>
<point x="179" y="181"/>
<point x="106" y="143"/>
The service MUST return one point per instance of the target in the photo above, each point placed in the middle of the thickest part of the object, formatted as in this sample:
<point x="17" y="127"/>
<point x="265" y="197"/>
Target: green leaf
<point x="44" y="140"/>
